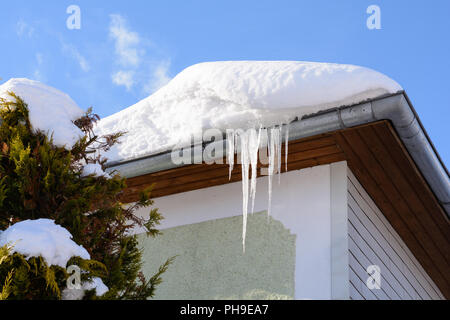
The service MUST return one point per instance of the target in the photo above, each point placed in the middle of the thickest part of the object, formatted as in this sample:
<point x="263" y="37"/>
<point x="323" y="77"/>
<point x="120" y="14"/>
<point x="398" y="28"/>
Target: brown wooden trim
<point x="380" y="162"/>
<point x="323" y="151"/>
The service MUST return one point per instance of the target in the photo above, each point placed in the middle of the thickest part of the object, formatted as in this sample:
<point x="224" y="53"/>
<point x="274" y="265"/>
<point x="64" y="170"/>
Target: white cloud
<point x="160" y="77"/>
<point x="134" y="66"/>
<point x="37" y="73"/>
<point x="39" y="58"/>
<point x="126" y="42"/>
<point x="75" y="54"/>
<point x="24" y="29"/>
<point x="123" y="78"/>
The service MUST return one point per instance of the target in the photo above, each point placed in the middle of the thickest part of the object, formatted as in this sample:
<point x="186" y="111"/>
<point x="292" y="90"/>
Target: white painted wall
<point x="373" y="241"/>
<point x="339" y="232"/>
<point x="302" y="202"/>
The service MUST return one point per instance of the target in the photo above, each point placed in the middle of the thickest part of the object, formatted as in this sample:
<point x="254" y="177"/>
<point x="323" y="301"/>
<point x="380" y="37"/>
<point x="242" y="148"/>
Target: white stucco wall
<point x="301" y="202"/>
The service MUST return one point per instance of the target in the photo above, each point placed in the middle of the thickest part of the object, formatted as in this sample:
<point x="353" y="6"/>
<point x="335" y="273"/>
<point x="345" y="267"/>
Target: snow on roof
<point x="51" y="110"/>
<point x="238" y="94"/>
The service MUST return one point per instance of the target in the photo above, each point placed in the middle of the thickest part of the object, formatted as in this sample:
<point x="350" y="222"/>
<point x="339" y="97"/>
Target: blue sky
<point x="126" y="49"/>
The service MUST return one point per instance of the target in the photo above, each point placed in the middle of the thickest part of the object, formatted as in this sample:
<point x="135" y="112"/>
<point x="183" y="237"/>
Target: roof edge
<point x="396" y="107"/>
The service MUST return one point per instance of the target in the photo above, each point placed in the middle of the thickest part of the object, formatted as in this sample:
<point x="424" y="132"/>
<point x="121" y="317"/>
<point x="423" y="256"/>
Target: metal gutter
<point x="396" y="107"/>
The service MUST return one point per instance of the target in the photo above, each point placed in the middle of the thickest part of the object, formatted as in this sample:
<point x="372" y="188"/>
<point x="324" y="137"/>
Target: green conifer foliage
<point x="41" y="180"/>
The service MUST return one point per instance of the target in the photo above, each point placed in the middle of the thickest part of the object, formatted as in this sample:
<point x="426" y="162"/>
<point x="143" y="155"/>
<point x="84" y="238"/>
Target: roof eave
<point x="396" y="108"/>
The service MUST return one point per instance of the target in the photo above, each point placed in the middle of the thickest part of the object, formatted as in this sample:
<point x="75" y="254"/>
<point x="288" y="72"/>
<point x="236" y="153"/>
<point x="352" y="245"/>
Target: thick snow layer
<point x="51" y="110"/>
<point x="42" y="237"/>
<point x="238" y="94"/>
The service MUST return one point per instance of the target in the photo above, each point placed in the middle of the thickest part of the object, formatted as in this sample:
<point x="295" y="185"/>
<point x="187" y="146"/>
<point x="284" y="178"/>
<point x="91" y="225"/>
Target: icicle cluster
<point x="250" y="143"/>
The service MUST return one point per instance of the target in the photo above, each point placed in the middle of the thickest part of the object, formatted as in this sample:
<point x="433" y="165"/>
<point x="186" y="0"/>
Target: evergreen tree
<point x="41" y="180"/>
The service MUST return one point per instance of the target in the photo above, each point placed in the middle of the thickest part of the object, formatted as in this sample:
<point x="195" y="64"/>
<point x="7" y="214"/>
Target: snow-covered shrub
<point x="43" y="179"/>
<point x="38" y="252"/>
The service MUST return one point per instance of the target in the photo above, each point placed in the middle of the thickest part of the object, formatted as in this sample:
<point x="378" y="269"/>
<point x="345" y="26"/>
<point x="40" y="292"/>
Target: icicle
<point x="271" y="154"/>
<point x="254" y="141"/>
<point x="245" y="166"/>
<point x="250" y="143"/>
<point x="278" y="145"/>
<point x="230" y="150"/>
<point x="286" y="144"/>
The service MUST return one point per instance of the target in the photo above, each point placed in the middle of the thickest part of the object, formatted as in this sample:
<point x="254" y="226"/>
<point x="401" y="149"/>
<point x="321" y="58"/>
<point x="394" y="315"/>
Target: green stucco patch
<point x="211" y="264"/>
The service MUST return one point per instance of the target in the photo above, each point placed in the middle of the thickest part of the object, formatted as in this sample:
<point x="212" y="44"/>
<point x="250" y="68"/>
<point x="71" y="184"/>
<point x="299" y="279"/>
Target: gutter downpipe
<point x="395" y="107"/>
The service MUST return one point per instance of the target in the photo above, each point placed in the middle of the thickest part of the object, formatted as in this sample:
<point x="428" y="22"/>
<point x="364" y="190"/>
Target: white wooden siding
<point x="373" y="241"/>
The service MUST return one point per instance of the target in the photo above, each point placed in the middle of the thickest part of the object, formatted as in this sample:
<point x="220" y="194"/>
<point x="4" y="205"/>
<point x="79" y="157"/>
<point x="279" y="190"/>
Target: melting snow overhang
<point x="396" y="108"/>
